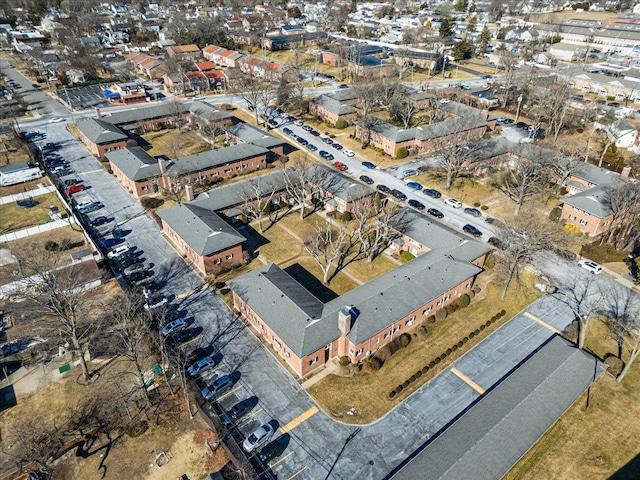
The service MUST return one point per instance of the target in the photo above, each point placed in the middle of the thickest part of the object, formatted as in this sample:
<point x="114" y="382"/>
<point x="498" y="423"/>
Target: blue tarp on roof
<point x="109" y="94"/>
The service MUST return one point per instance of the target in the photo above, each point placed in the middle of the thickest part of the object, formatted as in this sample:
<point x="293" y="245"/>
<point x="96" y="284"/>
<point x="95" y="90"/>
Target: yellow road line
<point x="92" y="171"/>
<point x="133" y="219"/>
<point x="467" y="380"/>
<point x="286" y="456"/>
<point x="542" y="322"/>
<point x="298" y="420"/>
<point x="297" y="473"/>
<point x="191" y="292"/>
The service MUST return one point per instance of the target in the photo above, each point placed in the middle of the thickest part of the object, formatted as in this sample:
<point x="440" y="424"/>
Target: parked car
<point x="298" y="123"/>
<point x="156" y="302"/>
<point x="173" y="327"/>
<point x="343" y="85"/>
<point x="75" y="188"/>
<point x="330" y="157"/>
<point x="133" y="268"/>
<point x="414" y="186"/>
<point x="452" y="202"/>
<point x="340" y="166"/>
<point x="337" y="146"/>
<point x="327" y="140"/>
<point x="201" y="366"/>
<point x="258" y="438"/>
<point x="431" y="192"/>
<point x="416" y="204"/>
<point x="138" y="275"/>
<point x="323" y="153"/>
<point x="111" y="242"/>
<point x="398" y="194"/>
<point x="287" y="131"/>
<point x="474" y="212"/>
<point x="92" y="207"/>
<point x="383" y="188"/>
<point x="182" y="337"/>
<point x="409" y="172"/>
<point x="348" y="153"/>
<point x="365" y="179"/>
<point x="128" y="261"/>
<point x="590" y="266"/>
<point x="311" y="147"/>
<point x="494" y="221"/>
<point x="236" y="412"/>
<point x="369" y="165"/>
<point x="471" y="230"/>
<point x="219" y="386"/>
<point x="271" y="451"/>
<point x="96" y="222"/>
<point x="315" y="133"/>
<point x="435" y="212"/>
<point x="119" y="251"/>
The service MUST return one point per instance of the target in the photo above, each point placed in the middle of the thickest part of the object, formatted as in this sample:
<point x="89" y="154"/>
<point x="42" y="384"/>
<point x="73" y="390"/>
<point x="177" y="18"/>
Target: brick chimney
<point x="626" y="171"/>
<point x="188" y="192"/>
<point x="98" y="113"/>
<point x="345" y="319"/>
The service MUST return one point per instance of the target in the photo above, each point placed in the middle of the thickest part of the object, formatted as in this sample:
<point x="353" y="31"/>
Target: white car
<point x="173" y="327"/>
<point x="443" y="101"/>
<point x="348" y="153"/>
<point x="258" y="438"/>
<point x="593" y="267"/>
<point x="201" y="366"/>
<point x="118" y="251"/>
<point x="298" y="123"/>
<point x="56" y="120"/>
<point x="452" y="202"/>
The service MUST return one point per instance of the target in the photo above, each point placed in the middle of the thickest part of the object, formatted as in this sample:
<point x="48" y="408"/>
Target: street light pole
<point x="66" y="92"/>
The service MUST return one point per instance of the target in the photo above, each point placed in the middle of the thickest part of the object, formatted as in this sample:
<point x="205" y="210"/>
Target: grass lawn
<point x="281" y="245"/>
<point x="58" y="235"/>
<point x="175" y="143"/>
<point x="14" y="218"/>
<point x="366" y="271"/>
<point x="369" y="393"/>
<point x="23" y="187"/>
<point x="593" y="442"/>
<point x="602" y="253"/>
<point x="293" y="223"/>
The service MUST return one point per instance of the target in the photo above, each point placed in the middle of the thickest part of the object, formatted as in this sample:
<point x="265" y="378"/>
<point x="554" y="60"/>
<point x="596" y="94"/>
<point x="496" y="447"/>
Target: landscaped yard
<point x="13" y="218"/>
<point x="602" y="253"/>
<point x="369" y="393"/>
<point x="24" y="187"/>
<point x="596" y="439"/>
<point x="175" y="143"/>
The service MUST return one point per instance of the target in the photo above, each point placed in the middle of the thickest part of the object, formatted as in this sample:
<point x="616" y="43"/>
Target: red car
<point x="340" y="166"/>
<point x="75" y="188"/>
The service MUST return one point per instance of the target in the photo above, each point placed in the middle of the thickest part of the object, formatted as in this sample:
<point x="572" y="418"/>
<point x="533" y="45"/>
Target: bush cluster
<point x="443" y="355"/>
<point x="341" y="124"/>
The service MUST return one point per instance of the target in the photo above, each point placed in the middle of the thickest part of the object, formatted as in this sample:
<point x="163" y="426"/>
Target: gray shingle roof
<point x="213" y="158"/>
<point x="487" y="440"/>
<point x="250" y="134"/>
<point x="596" y="175"/>
<point x="135" y="163"/>
<point x="592" y="201"/>
<point x="150" y="112"/>
<point x="337" y="184"/>
<point x="99" y="131"/>
<point x="203" y="230"/>
<point x="379" y="303"/>
<point x="231" y="195"/>
<point x="448" y="126"/>
<point x="334" y="106"/>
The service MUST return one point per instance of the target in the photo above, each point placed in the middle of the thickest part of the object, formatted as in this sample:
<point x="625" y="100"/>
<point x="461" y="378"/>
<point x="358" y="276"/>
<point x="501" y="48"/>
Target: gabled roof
<point x="250" y="134"/>
<point x="596" y="175"/>
<point x="334" y="106"/>
<point x="338" y="184"/>
<point x="205" y="65"/>
<point x="203" y="230"/>
<point x="135" y="163"/>
<point x="592" y="201"/>
<point x="99" y="131"/>
<point x="448" y="126"/>
<point x="213" y="158"/>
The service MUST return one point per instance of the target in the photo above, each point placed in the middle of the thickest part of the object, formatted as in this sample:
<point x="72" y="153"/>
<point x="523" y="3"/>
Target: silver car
<point x="258" y="438"/>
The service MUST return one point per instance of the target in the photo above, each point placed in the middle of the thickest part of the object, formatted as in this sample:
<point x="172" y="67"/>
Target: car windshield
<point x="253" y="438"/>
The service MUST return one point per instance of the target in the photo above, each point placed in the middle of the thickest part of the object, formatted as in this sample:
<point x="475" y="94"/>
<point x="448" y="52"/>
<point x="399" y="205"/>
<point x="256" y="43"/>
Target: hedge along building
<point x="307" y="333"/>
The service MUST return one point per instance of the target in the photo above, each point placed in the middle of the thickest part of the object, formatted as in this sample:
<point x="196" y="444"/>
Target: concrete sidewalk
<point x="41" y="190"/>
<point x="331" y="367"/>
<point x="27" y="232"/>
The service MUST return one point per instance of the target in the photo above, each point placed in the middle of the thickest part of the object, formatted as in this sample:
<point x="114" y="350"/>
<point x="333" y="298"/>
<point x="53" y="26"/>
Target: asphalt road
<point x="317" y="446"/>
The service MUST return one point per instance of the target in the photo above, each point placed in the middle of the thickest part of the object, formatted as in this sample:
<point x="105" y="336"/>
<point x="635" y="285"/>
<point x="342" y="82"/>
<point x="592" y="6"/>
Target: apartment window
<point x="377" y="340"/>
<point x="359" y="352"/>
<point x="587" y="214"/>
<point x="238" y="167"/>
<point x="230" y="256"/>
<point x="396" y="328"/>
<point x="313" y="360"/>
<point x="214" y="174"/>
<point x="145" y="188"/>
<point x="217" y="261"/>
<point x="409" y="322"/>
<point x="440" y="302"/>
<point x="228" y="170"/>
<point x="583" y="222"/>
<point x="572" y="217"/>
<point x="287" y="354"/>
<point x="388" y="334"/>
<point x="427" y="310"/>
<point x="350" y="351"/>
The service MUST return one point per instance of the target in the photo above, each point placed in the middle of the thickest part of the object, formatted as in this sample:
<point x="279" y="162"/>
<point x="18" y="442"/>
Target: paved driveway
<point x="318" y="447"/>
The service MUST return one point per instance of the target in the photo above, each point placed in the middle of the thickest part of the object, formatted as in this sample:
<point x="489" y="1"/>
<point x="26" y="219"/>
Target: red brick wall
<point x="589" y="224"/>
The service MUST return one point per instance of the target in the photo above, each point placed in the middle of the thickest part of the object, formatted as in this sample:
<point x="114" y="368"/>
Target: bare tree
<point x="553" y="102"/>
<point x="327" y="246"/>
<point x="622" y="311"/>
<point x="33" y="443"/>
<point x="367" y="100"/>
<point x="59" y="289"/>
<point x="211" y="131"/>
<point x="375" y="227"/>
<point x="304" y="180"/>
<point x="623" y="230"/>
<point x="256" y="196"/>
<point x="402" y="108"/>
<point x="256" y="92"/>
<point x="507" y="60"/>
<point x="520" y="239"/>
<point x="527" y="179"/>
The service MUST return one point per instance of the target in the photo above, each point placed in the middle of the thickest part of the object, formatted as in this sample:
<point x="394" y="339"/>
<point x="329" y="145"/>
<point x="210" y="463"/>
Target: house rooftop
<point x="99" y="131"/>
<point x="213" y="158"/>
<point x="135" y="163"/>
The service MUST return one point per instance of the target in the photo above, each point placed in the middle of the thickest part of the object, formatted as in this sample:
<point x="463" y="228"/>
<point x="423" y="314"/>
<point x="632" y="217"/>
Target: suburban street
<point x="318" y="446"/>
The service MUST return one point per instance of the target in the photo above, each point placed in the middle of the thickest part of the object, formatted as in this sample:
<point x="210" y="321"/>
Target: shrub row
<point x="444" y="354"/>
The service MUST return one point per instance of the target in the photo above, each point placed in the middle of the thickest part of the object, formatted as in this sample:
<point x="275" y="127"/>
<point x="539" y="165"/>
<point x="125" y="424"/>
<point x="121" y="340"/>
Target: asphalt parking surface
<point x="82" y="98"/>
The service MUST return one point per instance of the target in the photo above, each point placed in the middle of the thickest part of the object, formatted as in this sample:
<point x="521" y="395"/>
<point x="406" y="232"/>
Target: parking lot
<point x="82" y="98"/>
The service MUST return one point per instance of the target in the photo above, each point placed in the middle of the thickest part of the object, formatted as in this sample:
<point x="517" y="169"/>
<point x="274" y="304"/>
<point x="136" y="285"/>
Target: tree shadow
<point x="255" y="240"/>
<point x="311" y="283"/>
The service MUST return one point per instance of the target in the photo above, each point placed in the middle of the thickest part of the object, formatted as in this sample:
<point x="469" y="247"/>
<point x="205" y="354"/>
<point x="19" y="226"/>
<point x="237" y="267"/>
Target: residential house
<point x="307" y="333"/>
<point x="431" y="61"/>
<point x="336" y="191"/>
<point x="184" y="52"/>
<point x="125" y="93"/>
<point x="135" y="169"/>
<point x="100" y="137"/>
<point x="244" y="133"/>
<point x="330" y="110"/>
<point x="623" y="135"/>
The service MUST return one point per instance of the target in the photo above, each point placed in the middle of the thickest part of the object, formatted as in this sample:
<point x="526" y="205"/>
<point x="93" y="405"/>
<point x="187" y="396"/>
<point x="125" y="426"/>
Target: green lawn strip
<point x="602" y="253"/>
<point x="14" y="218"/>
<point x="369" y="393"/>
<point x="366" y="271"/>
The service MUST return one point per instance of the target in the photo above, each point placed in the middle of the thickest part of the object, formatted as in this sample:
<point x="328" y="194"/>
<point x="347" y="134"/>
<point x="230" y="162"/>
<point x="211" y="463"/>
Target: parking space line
<point x="191" y="292"/>
<point x="91" y="171"/>
<point x="467" y="380"/>
<point x="297" y="473"/>
<point x="542" y="322"/>
<point x="283" y="458"/>
<point x="299" y="419"/>
<point x="250" y="416"/>
<point x="228" y="393"/>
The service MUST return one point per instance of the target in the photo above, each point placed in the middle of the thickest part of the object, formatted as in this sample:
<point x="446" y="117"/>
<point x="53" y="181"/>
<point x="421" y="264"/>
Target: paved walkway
<point x="27" y="232"/>
<point x="329" y="368"/>
<point x="41" y="190"/>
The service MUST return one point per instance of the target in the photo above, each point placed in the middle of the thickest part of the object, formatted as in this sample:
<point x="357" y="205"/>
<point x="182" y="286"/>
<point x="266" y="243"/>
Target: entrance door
<point x="327" y="353"/>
